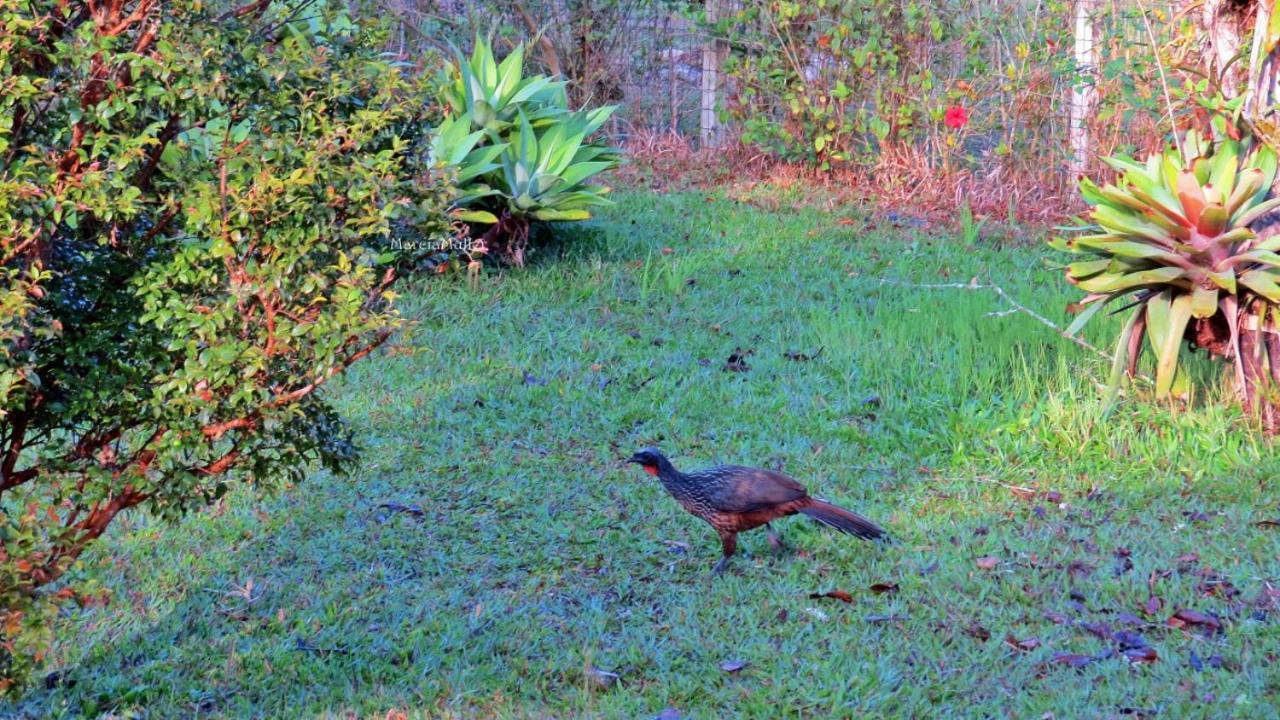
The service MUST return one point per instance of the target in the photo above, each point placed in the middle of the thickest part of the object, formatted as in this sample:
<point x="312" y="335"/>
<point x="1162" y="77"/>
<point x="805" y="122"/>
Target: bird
<point x="734" y="499"/>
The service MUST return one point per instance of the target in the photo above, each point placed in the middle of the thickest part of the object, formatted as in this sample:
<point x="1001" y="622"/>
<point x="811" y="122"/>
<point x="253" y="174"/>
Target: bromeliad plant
<point x="519" y="154"/>
<point x="1173" y="234"/>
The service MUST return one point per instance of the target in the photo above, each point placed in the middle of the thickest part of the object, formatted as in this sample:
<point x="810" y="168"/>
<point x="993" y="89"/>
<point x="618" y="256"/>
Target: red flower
<point x="956" y="117"/>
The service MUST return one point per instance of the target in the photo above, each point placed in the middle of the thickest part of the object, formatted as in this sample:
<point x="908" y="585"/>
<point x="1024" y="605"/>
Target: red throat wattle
<point x="651" y="469"/>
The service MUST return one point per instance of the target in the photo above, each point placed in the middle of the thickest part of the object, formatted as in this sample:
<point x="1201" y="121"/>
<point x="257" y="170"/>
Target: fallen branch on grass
<point x="1014" y="307"/>
<point x="413" y="510"/>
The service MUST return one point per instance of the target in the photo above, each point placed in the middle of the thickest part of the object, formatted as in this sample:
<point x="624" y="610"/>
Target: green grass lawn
<point x="533" y="561"/>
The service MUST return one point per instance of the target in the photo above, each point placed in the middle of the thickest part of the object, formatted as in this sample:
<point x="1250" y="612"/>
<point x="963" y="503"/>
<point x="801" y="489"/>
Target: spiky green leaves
<point x="455" y="148"/>
<point x="1175" y="229"/>
<point x="1168" y="313"/>
<point x="515" y="146"/>
<point x="490" y="94"/>
<point x="544" y="174"/>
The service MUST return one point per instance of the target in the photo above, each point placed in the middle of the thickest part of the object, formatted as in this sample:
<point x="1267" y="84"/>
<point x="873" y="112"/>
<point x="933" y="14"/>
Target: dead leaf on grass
<point x="1141" y="655"/>
<point x="976" y="631"/>
<point x="1074" y="660"/>
<point x="1153" y="606"/>
<point x="840" y="595"/>
<point x="1021" y="645"/>
<point x="1186" y="618"/>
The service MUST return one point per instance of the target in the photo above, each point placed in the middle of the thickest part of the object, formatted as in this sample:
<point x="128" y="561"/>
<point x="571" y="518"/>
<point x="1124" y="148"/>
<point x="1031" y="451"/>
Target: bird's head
<point x="650" y="459"/>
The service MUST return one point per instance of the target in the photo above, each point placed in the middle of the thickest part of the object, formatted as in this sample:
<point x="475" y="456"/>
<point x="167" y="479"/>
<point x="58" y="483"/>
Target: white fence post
<point x="712" y="52"/>
<point x="1083" y="92"/>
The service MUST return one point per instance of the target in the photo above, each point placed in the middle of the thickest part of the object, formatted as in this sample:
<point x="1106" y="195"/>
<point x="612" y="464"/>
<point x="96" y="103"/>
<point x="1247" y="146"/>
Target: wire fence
<point x="648" y="57"/>
<point x="643" y="55"/>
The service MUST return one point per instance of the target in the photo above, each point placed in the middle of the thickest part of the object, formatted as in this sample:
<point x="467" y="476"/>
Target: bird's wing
<point x="751" y="489"/>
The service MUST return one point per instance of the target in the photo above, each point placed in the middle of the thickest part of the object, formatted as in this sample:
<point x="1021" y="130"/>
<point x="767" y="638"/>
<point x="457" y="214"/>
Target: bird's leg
<point x="728" y="543"/>
<point x="775" y="539"/>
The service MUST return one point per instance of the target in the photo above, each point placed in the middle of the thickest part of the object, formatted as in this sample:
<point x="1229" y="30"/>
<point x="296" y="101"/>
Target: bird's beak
<point x="634" y="459"/>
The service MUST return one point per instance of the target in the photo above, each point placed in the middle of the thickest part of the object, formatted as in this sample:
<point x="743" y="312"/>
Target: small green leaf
<point x="1225" y="279"/>
<point x="1263" y="282"/>
<point x="1204" y="301"/>
<point x="549" y="214"/>
<point x="1109" y="283"/>
<point x="1169" y="338"/>
<point x="483" y="217"/>
<point x="1087" y="268"/>
<point x="1120" y="356"/>
<point x="1089" y="311"/>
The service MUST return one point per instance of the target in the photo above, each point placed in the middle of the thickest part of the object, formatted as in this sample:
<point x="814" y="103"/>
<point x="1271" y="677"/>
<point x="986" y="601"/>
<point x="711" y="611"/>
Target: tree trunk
<point x="1083" y="92"/>
<point x="549" y="54"/>
<point x="1258" y="390"/>
<point x="1223" y="24"/>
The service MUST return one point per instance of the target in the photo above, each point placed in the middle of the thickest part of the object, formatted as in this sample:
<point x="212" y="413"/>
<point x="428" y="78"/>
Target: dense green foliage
<point x="837" y="81"/>
<point x="195" y="213"/>
<point x="840" y="81"/>
<point x="1175" y="231"/>
<point x="494" y="556"/>
<point x="520" y="153"/>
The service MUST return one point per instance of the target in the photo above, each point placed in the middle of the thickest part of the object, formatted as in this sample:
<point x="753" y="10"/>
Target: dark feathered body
<point x="734" y="499"/>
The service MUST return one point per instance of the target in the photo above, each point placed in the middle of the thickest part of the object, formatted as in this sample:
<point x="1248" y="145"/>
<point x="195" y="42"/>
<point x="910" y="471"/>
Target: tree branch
<point x="10" y="477"/>
<point x="122" y="24"/>
<point x="1015" y="307"/>
<point x="84" y="532"/>
<point x="257" y="7"/>
<point x="217" y="430"/>
<point x="549" y="54"/>
<point x="142" y="178"/>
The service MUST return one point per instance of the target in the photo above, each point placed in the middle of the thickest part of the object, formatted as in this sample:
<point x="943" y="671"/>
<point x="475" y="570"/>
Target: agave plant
<point x="544" y="174"/>
<point x="455" y="147"/>
<point x="1173" y="234"/>
<point x="491" y="94"/>
<point x="518" y="154"/>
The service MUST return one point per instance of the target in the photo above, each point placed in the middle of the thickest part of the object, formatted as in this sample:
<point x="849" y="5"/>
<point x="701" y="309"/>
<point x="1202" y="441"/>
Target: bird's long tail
<point x="843" y="520"/>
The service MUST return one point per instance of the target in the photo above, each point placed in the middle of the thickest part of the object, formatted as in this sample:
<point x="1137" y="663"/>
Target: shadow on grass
<point x="494" y="557"/>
